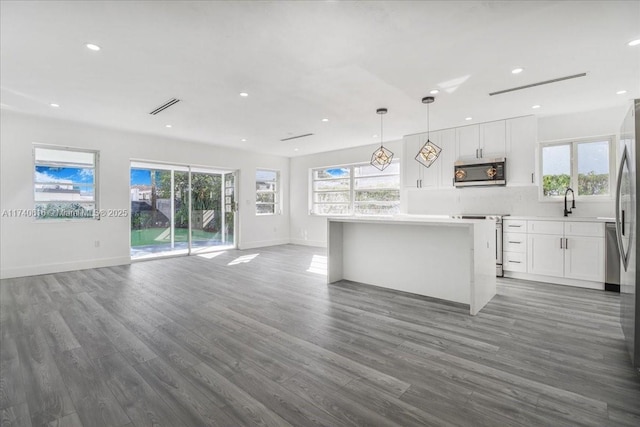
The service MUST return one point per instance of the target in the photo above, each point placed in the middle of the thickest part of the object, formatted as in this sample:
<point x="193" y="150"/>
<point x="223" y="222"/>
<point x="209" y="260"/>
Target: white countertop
<point x="409" y="219"/>
<point x="561" y="218"/>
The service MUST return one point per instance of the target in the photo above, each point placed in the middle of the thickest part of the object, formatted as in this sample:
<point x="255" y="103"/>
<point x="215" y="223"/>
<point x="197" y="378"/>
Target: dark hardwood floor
<point x="257" y="338"/>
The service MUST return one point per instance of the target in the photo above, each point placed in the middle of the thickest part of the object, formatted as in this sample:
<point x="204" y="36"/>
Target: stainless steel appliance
<point x="480" y="172"/>
<point x="498" y="220"/>
<point x="627" y="217"/>
<point x="612" y="254"/>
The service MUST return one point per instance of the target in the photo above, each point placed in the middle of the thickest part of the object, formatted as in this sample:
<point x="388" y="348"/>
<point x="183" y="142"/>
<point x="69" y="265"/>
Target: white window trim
<point x="96" y="180"/>
<point x="277" y="205"/>
<point x="352" y="192"/>
<point x="573" y="142"/>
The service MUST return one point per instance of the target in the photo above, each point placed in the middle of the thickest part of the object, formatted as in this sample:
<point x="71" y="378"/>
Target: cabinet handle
<point x="476" y="153"/>
<point x="514" y="226"/>
<point x="566" y="243"/>
<point x="516" y="262"/>
<point x="561" y="239"/>
<point x="481" y="153"/>
<point x="514" y="242"/>
<point x="532" y="178"/>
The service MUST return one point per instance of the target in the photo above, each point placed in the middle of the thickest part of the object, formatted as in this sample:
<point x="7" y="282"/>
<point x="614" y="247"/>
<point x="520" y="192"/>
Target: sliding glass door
<point x="180" y="210"/>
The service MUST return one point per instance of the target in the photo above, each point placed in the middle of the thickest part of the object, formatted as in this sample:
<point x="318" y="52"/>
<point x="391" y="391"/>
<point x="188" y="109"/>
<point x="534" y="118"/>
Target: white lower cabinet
<point x="565" y="252"/>
<point x="583" y="258"/>
<point x="546" y="256"/>
<point x="514" y="246"/>
<point x="572" y="250"/>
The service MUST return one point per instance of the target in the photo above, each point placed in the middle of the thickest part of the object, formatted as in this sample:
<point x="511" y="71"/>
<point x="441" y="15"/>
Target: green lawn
<point x="161" y="236"/>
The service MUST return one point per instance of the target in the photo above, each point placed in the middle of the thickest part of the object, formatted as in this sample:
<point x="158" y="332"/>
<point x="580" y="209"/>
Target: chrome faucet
<point x="573" y="201"/>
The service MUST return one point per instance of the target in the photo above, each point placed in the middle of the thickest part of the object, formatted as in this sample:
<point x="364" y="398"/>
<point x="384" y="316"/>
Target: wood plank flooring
<point x="257" y="338"/>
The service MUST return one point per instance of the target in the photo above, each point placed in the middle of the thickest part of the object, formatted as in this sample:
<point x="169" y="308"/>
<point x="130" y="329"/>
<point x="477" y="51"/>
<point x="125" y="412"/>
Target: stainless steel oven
<point x="498" y="220"/>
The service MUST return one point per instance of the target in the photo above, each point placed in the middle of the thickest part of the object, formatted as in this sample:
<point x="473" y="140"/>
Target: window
<point x="267" y="192"/>
<point x="583" y="165"/>
<point x="65" y="183"/>
<point x="359" y="189"/>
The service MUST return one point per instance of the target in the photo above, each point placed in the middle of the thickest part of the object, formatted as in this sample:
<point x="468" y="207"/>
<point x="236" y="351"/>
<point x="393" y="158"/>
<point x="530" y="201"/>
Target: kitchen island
<point x="444" y="258"/>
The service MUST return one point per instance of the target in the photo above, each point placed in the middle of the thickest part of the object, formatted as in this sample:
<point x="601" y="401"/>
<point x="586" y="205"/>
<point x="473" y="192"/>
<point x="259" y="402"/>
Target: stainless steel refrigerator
<point x="627" y="221"/>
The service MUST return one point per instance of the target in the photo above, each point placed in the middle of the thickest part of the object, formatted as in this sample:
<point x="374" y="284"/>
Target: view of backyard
<point x="166" y="204"/>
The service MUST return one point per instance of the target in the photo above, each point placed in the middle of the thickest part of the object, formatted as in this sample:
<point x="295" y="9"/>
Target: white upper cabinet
<point x="468" y="142"/>
<point x="484" y="140"/>
<point x="522" y="135"/>
<point x="493" y="137"/>
<point x="411" y="169"/>
<point x="514" y="139"/>
<point x="447" y="141"/>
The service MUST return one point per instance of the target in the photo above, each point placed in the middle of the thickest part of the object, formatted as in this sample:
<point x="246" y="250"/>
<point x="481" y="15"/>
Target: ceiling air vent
<point x="164" y="106"/>
<point x="296" y="137"/>
<point x="546" y="82"/>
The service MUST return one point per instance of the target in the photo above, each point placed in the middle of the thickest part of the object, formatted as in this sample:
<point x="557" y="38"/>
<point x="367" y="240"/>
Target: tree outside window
<point x="583" y="165"/>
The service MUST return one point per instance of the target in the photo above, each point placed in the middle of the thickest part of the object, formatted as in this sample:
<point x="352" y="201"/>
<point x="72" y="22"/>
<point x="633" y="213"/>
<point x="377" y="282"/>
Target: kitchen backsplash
<point x="522" y="201"/>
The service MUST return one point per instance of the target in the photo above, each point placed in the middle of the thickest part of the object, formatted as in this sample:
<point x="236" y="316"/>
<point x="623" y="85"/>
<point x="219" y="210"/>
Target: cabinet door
<point x="544" y="255"/>
<point x="448" y="157"/>
<point x="468" y="141"/>
<point x="493" y="137"/>
<point x="411" y="169"/>
<point x="584" y="258"/>
<point x="522" y="137"/>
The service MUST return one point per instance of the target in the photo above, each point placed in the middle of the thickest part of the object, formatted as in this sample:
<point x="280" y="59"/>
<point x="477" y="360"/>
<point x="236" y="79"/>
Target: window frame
<point x="573" y="143"/>
<point x="351" y="204"/>
<point x="277" y="203"/>
<point x="96" y="182"/>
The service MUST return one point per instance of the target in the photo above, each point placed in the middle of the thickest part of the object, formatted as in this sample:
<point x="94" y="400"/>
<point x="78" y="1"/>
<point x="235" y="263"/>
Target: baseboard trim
<point x="36" y="270"/>
<point x="263" y="243"/>
<point x="314" y="243"/>
<point x="555" y="280"/>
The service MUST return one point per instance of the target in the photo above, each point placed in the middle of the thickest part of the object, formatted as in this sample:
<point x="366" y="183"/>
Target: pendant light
<point x="381" y="158"/>
<point x="429" y="151"/>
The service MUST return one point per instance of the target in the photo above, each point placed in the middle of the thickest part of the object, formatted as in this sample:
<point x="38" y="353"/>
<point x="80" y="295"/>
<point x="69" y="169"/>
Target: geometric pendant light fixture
<point x="429" y="151"/>
<point x="381" y="158"/>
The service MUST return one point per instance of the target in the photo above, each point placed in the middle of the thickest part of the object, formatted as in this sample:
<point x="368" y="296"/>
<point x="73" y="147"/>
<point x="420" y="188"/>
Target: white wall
<point x="521" y="200"/>
<point x="311" y="230"/>
<point x="581" y="125"/>
<point x="36" y="247"/>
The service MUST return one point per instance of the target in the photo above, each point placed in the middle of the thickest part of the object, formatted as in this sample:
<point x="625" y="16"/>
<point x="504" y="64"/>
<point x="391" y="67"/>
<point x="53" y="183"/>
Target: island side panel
<point x="431" y="260"/>
<point x="334" y="251"/>
<point x="483" y="286"/>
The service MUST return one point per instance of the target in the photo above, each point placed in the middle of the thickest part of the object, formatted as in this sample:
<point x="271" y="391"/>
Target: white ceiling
<point x="304" y="61"/>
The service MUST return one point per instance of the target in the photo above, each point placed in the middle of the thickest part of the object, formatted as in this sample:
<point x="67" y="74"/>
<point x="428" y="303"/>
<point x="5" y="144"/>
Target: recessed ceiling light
<point x="296" y="149"/>
<point x="621" y="92"/>
<point x="244" y="140"/>
<point x="168" y="126"/>
<point x="635" y="42"/>
<point x="244" y="94"/>
<point x="375" y="136"/>
<point x="535" y="106"/>
<point x="54" y="105"/>
<point x="93" y="47"/>
<point x="325" y="120"/>
<point x="434" y="91"/>
<point x="468" y="118"/>
<point x="517" y="70"/>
